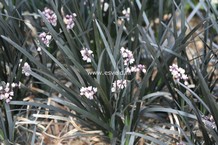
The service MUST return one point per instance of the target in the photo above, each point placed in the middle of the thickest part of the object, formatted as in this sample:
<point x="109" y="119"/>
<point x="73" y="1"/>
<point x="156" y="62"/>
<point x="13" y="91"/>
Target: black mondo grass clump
<point x="110" y="72"/>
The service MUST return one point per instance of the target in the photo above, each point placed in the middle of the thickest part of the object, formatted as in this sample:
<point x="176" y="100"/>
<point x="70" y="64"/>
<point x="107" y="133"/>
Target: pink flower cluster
<point x="127" y="56"/>
<point x="45" y="38"/>
<point x="126" y="13"/>
<point x="178" y="73"/>
<point x="88" y="92"/>
<point x="6" y="91"/>
<point x="138" y="68"/>
<point x="26" y="68"/>
<point x="128" y="60"/>
<point x="69" y="20"/>
<point x="86" y="54"/>
<point x="50" y="16"/>
<point x="118" y="85"/>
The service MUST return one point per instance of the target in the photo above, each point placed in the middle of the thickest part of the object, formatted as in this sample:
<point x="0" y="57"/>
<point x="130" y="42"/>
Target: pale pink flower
<point x="6" y="95"/>
<point x="126" y="13"/>
<point x="127" y="56"/>
<point x="141" y="67"/>
<point x="39" y="49"/>
<point x="88" y="92"/>
<point x="173" y="67"/>
<point x="45" y="38"/>
<point x="50" y="16"/>
<point x="86" y="54"/>
<point x="6" y="91"/>
<point x="69" y="20"/>
<point x="118" y="85"/>
<point x="134" y="69"/>
<point x="138" y="68"/>
<point x="8" y="99"/>
<point x="178" y="73"/>
<point x="106" y="6"/>
<point x="26" y="69"/>
<point x="128" y="70"/>
<point x="13" y="85"/>
<point x="1" y="96"/>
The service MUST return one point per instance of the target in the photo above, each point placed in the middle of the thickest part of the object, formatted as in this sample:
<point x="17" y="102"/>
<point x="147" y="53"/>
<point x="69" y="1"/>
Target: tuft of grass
<point x="153" y="108"/>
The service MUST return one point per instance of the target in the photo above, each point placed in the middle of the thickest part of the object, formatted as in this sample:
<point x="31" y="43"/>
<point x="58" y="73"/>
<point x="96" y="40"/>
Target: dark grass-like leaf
<point x="1" y="135"/>
<point x="10" y="122"/>
<point x="208" y="97"/>
<point x="3" y="127"/>
<point x="141" y="12"/>
<point x="116" y="48"/>
<point x="213" y="133"/>
<point x="50" y="107"/>
<point x="194" y="94"/>
<point x="84" y="113"/>
<point x="108" y="48"/>
<point x="161" y="13"/>
<point x="198" y="115"/>
<point x="100" y="69"/>
<point x="65" y="70"/>
<point x="155" y="94"/>
<point x="97" y="39"/>
<point x="153" y="140"/>
<point x="145" y="18"/>
<point x="123" y="137"/>
<point x="56" y="87"/>
<point x="132" y="140"/>
<point x="167" y="110"/>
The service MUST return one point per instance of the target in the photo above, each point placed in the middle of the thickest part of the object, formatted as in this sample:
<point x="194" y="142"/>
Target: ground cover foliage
<point x="108" y="72"/>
